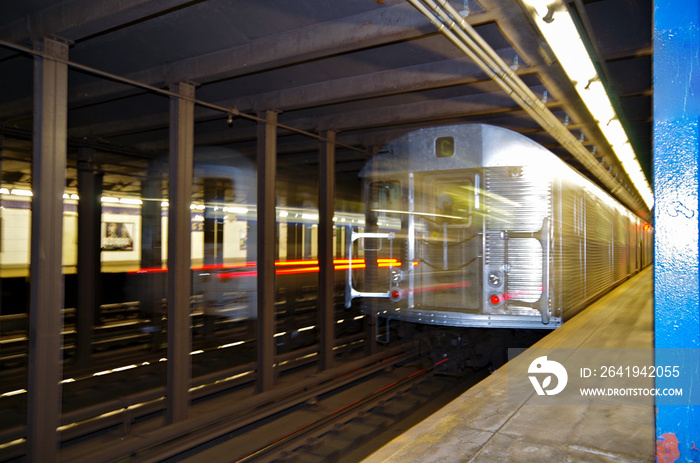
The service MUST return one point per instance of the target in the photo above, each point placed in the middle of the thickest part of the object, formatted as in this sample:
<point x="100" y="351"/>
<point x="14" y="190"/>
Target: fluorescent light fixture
<point x="4" y="191"/>
<point x="18" y="192"/>
<point x="109" y="199"/>
<point x="130" y="201"/>
<point x="238" y="210"/>
<point x="558" y="28"/>
<point x="164" y="204"/>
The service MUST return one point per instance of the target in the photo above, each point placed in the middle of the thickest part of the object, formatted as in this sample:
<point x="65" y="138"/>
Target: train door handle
<point x="350" y="291"/>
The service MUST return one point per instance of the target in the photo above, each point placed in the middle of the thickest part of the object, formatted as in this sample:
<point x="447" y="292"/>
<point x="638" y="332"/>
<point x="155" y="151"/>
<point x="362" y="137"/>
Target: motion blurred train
<point x="223" y="249"/>
<point x="490" y="229"/>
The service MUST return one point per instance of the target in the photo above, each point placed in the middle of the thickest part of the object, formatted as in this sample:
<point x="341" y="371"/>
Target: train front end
<point x="458" y="230"/>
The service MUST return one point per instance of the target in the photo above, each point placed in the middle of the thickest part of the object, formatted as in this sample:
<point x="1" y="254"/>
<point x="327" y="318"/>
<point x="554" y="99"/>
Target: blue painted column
<point x="676" y="277"/>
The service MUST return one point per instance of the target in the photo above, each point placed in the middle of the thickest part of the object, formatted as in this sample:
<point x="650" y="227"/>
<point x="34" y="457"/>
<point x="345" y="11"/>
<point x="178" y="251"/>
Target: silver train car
<point x="478" y="226"/>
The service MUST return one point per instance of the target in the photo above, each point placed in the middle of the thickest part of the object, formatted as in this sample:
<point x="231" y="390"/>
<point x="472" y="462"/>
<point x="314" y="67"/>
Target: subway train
<point x="133" y="263"/>
<point x="132" y="283"/>
<point x="488" y="230"/>
<point x="230" y="256"/>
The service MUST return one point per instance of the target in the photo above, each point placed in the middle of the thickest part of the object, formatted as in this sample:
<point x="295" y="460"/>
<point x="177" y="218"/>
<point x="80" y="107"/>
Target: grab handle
<point x="350" y="291"/>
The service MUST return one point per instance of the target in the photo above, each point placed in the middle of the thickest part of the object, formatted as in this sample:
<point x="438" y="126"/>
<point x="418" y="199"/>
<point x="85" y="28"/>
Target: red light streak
<point x="297" y="270"/>
<point x="288" y="263"/>
<point x="302" y="266"/>
<point x="347" y="267"/>
<point x="386" y="387"/>
<point x="149" y="270"/>
<point x="229" y="275"/>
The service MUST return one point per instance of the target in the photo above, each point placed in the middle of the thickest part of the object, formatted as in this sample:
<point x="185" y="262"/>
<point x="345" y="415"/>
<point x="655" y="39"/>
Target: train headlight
<point x="395" y="276"/>
<point x="495" y="279"/>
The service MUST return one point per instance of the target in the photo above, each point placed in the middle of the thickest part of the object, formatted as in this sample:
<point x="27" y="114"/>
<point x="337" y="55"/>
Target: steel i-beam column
<point x="676" y="279"/>
<point x="179" y="250"/>
<point x="2" y="142"/>
<point x="46" y="294"/>
<point x="151" y="227"/>
<point x="326" y="210"/>
<point x="89" y="219"/>
<point x="267" y="163"/>
<point x="152" y="286"/>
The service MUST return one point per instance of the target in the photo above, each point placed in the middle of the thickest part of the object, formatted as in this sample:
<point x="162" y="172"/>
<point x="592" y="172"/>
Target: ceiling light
<point x="130" y="201"/>
<point x="19" y="192"/>
<point x="563" y="38"/>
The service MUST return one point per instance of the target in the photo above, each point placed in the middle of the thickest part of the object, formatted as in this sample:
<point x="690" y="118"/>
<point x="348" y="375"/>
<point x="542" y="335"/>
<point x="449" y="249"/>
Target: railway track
<point x="342" y="425"/>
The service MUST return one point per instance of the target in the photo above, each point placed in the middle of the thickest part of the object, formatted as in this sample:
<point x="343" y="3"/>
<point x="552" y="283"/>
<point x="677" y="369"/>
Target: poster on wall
<point x="117" y="236"/>
<point x="243" y="243"/>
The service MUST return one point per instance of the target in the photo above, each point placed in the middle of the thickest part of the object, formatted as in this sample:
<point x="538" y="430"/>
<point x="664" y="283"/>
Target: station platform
<point x="492" y="422"/>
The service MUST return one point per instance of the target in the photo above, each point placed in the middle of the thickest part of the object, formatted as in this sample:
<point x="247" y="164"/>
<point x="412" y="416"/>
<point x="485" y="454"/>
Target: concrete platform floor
<point x="500" y="422"/>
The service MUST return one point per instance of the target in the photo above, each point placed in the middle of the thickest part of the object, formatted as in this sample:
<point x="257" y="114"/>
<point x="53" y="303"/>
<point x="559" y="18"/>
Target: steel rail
<point x="333" y="417"/>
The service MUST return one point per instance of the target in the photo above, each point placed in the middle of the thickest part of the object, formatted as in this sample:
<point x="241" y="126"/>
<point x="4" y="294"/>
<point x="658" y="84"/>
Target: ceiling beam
<point x="355" y="32"/>
<point x="380" y="115"/>
<point x="78" y="19"/>
<point x="391" y="82"/>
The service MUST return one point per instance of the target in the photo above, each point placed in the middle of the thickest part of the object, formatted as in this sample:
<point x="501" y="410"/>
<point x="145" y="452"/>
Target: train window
<point x="454" y="202"/>
<point x="385" y="203"/>
<point x="444" y="147"/>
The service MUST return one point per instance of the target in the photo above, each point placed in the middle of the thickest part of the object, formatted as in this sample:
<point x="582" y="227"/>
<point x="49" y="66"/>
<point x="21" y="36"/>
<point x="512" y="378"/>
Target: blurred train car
<point x="223" y="248"/>
<point x="122" y="230"/>
<point x="490" y="230"/>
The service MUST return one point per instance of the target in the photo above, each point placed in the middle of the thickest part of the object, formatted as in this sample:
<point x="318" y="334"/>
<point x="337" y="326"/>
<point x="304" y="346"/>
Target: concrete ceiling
<point x="368" y="69"/>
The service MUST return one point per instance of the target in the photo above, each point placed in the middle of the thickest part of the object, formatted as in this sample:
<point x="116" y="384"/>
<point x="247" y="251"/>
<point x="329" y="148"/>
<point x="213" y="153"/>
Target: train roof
<point x="457" y="147"/>
<point x="474" y="146"/>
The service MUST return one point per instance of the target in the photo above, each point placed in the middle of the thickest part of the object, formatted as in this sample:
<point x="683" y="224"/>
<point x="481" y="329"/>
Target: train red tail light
<point x="495" y="299"/>
<point x="395" y="294"/>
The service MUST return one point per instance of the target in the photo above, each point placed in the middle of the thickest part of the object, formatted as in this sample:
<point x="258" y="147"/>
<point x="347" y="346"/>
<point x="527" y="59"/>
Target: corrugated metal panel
<point x="524" y="282"/>
<point x="621" y="258"/>
<point x="599" y="238"/>
<point x="632" y="250"/>
<point x="518" y="200"/>
<point x="569" y="256"/>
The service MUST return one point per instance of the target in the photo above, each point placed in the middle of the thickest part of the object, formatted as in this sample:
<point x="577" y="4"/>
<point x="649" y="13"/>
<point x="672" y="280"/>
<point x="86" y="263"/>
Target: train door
<point x="448" y="241"/>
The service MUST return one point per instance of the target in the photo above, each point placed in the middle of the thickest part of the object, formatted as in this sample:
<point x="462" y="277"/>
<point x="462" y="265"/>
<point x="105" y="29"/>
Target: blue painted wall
<point x="676" y="276"/>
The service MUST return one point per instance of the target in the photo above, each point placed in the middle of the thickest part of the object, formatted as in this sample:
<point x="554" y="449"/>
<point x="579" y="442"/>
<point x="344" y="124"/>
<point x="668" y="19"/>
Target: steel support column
<point x="151" y="225"/>
<point x="179" y="250"/>
<point x="676" y="171"/>
<point x="89" y="219"/>
<point x="326" y="210"/>
<point x="267" y="163"/>
<point x="46" y="294"/>
<point x="153" y="286"/>
<point x="2" y="143"/>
